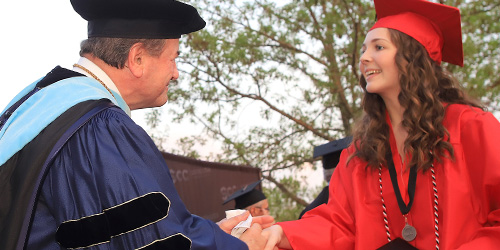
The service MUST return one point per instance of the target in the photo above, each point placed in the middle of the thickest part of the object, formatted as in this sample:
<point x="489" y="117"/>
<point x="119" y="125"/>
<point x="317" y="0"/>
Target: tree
<point x="270" y="80"/>
<point x="481" y="32"/>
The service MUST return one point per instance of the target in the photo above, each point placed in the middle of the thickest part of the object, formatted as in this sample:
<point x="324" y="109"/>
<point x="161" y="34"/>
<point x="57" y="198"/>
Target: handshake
<point x="242" y="225"/>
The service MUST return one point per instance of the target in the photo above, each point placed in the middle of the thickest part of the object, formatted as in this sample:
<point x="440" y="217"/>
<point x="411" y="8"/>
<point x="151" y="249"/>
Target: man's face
<point x="158" y="72"/>
<point x="261" y="208"/>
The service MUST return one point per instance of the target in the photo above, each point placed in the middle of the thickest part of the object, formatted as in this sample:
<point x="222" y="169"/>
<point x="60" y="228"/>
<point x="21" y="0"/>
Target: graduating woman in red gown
<point x="423" y="170"/>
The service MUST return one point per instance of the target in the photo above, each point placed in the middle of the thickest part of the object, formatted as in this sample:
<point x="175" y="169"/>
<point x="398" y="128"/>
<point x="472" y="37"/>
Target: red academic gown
<point x="468" y="190"/>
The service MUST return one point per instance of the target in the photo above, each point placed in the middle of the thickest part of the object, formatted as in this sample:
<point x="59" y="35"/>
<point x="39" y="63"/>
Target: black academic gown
<point x="322" y="198"/>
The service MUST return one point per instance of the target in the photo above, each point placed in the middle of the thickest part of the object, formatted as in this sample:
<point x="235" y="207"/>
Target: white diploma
<point x="239" y="229"/>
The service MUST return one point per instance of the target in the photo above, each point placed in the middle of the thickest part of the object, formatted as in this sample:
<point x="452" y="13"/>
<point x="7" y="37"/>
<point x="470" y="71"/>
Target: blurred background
<point x="261" y="86"/>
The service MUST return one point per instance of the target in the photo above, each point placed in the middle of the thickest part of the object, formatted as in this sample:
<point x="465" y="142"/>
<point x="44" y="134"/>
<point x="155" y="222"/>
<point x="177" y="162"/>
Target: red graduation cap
<point x="436" y="26"/>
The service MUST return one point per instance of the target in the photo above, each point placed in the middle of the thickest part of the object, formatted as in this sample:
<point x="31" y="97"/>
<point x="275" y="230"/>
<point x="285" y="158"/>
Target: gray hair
<point x="114" y="51"/>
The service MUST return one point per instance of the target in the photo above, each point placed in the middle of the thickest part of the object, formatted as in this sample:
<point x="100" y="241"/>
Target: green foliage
<point x="153" y="122"/>
<point x="282" y="207"/>
<point x="153" y="118"/>
<point x="270" y="80"/>
<point x="481" y="32"/>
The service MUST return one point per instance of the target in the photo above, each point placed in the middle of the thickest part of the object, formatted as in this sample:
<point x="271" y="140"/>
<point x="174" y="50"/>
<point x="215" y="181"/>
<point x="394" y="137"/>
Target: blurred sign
<point x="203" y="185"/>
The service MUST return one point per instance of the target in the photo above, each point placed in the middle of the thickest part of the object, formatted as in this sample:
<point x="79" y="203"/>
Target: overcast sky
<point x="36" y="37"/>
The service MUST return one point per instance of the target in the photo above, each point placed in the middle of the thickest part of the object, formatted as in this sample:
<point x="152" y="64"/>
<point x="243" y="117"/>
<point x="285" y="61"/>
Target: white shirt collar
<point x="92" y="67"/>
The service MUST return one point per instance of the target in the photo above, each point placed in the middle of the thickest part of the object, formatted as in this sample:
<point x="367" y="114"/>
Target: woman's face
<point x="378" y="64"/>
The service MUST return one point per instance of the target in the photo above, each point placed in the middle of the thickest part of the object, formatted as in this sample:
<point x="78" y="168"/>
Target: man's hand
<point x="227" y="225"/>
<point x="253" y="237"/>
<point x="265" y="221"/>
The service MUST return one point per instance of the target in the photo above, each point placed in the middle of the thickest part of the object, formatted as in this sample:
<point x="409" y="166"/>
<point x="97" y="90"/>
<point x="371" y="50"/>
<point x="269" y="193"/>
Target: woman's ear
<point x="135" y="60"/>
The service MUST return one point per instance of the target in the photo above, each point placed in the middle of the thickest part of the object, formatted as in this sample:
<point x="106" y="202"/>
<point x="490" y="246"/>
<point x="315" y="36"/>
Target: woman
<point x="424" y="169"/>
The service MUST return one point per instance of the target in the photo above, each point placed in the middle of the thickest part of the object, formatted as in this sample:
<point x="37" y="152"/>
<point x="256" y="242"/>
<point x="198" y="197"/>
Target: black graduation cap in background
<point x="246" y="196"/>
<point x="331" y="151"/>
<point x="139" y="19"/>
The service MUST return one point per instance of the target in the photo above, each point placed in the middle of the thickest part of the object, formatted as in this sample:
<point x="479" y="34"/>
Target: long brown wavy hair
<point x="425" y="89"/>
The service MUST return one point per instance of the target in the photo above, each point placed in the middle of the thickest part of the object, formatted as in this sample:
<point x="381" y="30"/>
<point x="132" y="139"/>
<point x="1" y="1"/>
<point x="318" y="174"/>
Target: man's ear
<point x="135" y="59"/>
<point x="252" y="210"/>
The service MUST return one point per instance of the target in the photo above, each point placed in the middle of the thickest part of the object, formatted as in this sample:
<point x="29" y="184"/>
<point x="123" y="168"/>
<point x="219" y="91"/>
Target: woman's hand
<point x="275" y="238"/>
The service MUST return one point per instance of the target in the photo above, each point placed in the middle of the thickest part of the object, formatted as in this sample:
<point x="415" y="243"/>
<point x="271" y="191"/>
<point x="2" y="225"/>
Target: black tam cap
<point x="140" y="19"/>
<point x="330" y="152"/>
<point x="246" y="196"/>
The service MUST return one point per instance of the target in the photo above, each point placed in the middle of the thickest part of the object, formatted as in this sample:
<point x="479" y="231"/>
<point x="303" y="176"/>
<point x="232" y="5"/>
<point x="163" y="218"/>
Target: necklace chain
<point x="436" y="210"/>
<point x="95" y="77"/>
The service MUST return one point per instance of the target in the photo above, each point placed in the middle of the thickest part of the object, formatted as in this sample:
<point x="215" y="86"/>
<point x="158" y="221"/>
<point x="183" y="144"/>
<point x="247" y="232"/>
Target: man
<point x="330" y="157"/>
<point x="76" y="171"/>
<point x="250" y="199"/>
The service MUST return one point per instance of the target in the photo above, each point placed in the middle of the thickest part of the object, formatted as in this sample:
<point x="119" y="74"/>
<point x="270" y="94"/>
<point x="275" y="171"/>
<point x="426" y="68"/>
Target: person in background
<point x="330" y="156"/>
<point x="251" y="199"/>
<point x="423" y="171"/>
<point x="76" y="171"/>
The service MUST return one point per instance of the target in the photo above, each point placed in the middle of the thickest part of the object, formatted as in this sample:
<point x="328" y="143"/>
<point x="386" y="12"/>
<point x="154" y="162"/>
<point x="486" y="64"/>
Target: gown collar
<point x="92" y="67"/>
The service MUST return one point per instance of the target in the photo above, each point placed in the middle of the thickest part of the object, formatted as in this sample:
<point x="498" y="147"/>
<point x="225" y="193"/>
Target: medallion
<point x="409" y="232"/>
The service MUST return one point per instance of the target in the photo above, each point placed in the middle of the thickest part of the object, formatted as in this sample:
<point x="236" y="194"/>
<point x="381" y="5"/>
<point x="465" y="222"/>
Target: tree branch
<point x="287" y="192"/>
<point x="267" y="103"/>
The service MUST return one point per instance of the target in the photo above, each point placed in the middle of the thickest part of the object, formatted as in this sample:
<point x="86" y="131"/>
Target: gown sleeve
<point x="110" y="188"/>
<point x="480" y="139"/>
<point x="328" y="226"/>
